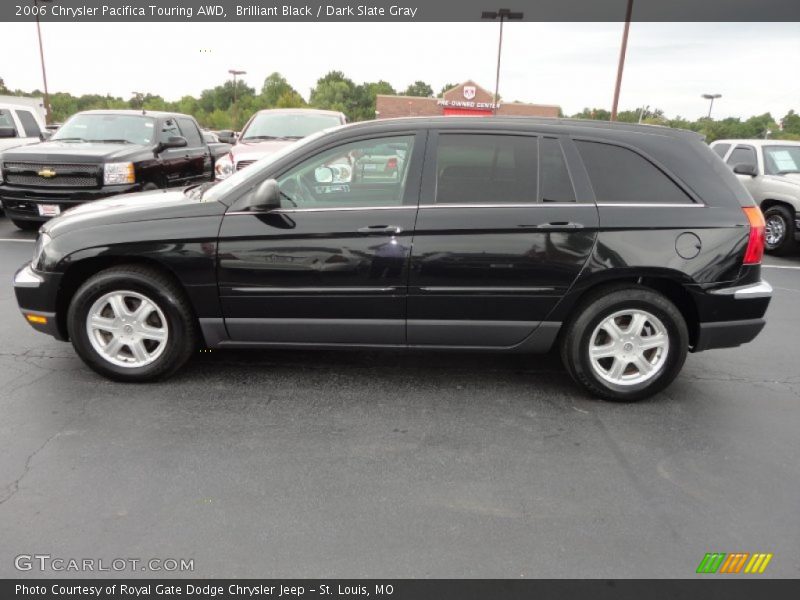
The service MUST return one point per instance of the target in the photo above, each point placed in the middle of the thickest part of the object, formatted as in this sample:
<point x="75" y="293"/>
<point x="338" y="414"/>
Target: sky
<point x="669" y="65"/>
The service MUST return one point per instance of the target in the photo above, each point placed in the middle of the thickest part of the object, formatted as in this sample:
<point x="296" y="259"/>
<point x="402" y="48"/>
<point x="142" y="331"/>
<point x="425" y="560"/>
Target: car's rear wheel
<point x="132" y="323"/>
<point x="26" y="225"/>
<point x="779" y="235"/>
<point x="625" y="343"/>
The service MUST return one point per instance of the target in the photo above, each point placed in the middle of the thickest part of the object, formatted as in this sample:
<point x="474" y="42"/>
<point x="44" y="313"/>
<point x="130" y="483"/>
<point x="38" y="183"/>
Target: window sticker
<point x="783" y="160"/>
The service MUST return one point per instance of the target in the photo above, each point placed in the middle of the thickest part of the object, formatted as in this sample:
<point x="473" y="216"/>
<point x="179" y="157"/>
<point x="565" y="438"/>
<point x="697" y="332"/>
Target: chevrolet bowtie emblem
<point x="47" y="173"/>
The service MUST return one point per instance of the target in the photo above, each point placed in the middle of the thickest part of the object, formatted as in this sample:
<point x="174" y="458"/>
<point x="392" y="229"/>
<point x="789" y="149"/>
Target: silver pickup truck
<point x="770" y="170"/>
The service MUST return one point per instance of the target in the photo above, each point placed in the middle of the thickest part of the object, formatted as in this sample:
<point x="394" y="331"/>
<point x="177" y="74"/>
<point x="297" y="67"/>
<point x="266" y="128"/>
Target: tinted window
<point x="6" y="120"/>
<point x="29" y="123"/>
<point x="721" y="149"/>
<point x="169" y="129"/>
<point x="478" y="169"/>
<point x="364" y="173"/>
<point x="742" y="155"/>
<point x="190" y="132"/>
<point x="621" y="175"/>
<point x="556" y="184"/>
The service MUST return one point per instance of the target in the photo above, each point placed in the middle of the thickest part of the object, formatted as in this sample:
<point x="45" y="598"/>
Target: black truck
<point x="101" y="153"/>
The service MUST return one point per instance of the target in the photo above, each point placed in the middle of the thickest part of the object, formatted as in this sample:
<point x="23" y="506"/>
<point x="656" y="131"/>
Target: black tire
<point x="26" y="225"/>
<point x="575" y="340"/>
<point x="161" y="290"/>
<point x="786" y="243"/>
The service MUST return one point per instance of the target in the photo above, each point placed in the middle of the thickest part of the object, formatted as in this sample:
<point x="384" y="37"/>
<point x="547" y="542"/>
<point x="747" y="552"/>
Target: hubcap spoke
<point x="151" y="333"/>
<point x="603" y="351"/>
<point x="659" y="340"/>
<point x="617" y="368"/>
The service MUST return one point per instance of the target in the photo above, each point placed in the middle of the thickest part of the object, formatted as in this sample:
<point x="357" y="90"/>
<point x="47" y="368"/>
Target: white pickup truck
<point x="19" y="125"/>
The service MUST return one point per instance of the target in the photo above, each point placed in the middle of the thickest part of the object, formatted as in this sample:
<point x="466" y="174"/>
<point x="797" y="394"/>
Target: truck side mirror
<point x="746" y="169"/>
<point x="45" y="135"/>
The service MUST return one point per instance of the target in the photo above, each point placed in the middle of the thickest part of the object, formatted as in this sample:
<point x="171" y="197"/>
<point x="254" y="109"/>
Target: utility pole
<point x="501" y="14"/>
<point x="621" y="66"/>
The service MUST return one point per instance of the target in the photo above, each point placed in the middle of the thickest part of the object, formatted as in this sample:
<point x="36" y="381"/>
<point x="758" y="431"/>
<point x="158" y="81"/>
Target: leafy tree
<point x="419" y="88"/>
<point x="447" y="86"/>
<point x="791" y="123"/>
<point x="3" y="89"/>
<point x="290" y="99"/>
<point x="334" y="91"/>
<point x="275" y="87"/>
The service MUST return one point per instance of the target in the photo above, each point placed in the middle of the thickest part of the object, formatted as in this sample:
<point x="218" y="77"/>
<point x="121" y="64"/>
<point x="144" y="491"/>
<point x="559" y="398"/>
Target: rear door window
<point x="620" y="175"/>
<point x="480" y="169"/>
<point x="29" y="123"/>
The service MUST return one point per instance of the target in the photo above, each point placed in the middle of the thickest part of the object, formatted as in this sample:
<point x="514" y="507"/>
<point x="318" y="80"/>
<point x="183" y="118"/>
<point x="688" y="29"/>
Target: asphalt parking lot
<point x="327" y="464"/>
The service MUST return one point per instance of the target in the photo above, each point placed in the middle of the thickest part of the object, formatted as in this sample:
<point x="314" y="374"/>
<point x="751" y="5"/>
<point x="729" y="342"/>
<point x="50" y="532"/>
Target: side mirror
<point x="174" y="141"/>
<point x="323" y="174"/>
<point x="266" y="196"/>
<point x="746" y="169"/>
<point x="8" y="132"/>
<point x="45" y="135"/>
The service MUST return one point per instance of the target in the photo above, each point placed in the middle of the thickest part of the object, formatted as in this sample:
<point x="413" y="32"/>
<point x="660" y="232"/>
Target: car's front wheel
<point x="131" y="323"/>
<point x="779" y="234"/>
<point x="625" y="343"/>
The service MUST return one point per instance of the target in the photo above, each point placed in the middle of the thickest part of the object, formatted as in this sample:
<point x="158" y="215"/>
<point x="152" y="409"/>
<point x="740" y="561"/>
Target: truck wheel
<point x="132" y="324"/>
<point x="625" y="343"/>
<point x="780" y="230"/>
<point x="26" y="225"/>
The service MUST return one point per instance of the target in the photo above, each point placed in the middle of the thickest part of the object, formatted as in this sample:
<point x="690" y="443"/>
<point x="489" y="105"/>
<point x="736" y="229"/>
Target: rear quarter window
<point x="620" y="175"/>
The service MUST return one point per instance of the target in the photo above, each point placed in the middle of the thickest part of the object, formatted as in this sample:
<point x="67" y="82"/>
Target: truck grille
<point x="51" y="175"/>
<point x="243" y="163"/>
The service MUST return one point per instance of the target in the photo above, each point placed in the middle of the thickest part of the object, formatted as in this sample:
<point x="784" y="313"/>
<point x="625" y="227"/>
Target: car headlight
<point x="224" y="167"/>
<point x="38" y="251"/>
<point x="116" y="173"/>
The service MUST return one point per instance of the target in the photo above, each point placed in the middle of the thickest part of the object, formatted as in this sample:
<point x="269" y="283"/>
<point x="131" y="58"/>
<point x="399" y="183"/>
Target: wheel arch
<point x="78" y="272"/>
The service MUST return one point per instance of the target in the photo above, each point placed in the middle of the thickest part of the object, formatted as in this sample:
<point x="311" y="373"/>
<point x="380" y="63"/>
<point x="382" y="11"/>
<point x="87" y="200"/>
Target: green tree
<point x="334" y="91"/>
<point x="447" y="86"/>
<point x="791" y="123"/>
<point x="3" y="89"/>
<point x="419" y="88"/>
<point x="276" y="87"/>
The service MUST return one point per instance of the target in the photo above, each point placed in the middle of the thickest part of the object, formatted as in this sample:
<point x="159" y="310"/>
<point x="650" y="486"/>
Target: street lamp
<point x="711" y="97"/>
<point x="234" y="72"/>
<point x="622" y="51"/>
<point x="501" y="14"/>
<point x="41" y="57"/>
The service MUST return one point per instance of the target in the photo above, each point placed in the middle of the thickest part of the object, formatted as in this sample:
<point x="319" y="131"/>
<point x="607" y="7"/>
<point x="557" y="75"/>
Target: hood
<point x="131" y="208"/>
<point x="55" y="151"/>
<point x="259" y="149"/>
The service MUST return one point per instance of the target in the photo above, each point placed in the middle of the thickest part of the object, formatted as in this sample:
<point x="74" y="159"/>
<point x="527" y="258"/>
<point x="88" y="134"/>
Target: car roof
<point x="142" y="113"/>
<point x="315" y="111"/>
<point x="555" y="125"/>
<point x="759" y="142"/>
<point x="27" y="107"/>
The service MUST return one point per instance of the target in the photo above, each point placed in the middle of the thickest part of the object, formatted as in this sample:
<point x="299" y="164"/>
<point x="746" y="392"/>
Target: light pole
<point x="501" y="14"/>
<point x="711" y="97"/>
<point x="234" y="72"/>
<point x="41" y="57"/>
<point x="622" y="51"/>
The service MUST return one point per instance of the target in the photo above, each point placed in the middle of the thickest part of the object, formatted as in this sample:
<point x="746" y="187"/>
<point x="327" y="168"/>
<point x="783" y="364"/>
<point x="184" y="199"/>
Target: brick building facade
<point x="467" y="98"/>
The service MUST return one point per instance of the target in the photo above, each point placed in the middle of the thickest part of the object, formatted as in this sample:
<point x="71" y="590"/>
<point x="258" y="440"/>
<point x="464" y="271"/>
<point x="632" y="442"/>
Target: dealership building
<point x="465" y="99"/>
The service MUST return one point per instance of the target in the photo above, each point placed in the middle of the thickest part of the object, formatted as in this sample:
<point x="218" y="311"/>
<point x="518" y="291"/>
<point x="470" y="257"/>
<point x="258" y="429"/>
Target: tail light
<point x="391" y="164"/>
<point x="755" y="242"/>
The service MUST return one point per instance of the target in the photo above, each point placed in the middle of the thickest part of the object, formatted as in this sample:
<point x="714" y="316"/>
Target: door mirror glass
<point x="323" y="175"/>
<point x="746" y="169"/>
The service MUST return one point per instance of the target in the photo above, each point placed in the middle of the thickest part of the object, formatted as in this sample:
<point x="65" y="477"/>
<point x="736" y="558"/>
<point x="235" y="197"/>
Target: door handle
<point x="561" y="225"/>
<point x="372" y="229"/>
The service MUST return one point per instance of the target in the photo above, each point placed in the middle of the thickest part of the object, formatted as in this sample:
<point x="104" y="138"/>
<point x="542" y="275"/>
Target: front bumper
<point x="752" y="301"/>
<point x="22" y="203"/>
<point x="36" y="296"/>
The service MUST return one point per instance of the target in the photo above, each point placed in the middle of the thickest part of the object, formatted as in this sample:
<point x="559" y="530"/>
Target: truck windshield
<point x="133" y="129"/>
<point x="780" y="160"/>
<point x="291" y="126"/>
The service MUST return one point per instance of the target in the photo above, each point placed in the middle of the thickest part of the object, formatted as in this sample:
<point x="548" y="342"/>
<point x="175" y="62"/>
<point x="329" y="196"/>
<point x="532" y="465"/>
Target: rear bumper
<point x="752" y="300"/>
<point x="22" y="203"/>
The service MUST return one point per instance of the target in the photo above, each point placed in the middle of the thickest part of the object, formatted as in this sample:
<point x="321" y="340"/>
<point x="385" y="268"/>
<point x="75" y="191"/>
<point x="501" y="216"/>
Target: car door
<point x="174" y="161"/>
<point x="331" y="265"/>
<point x="199" y="164"/>
<point x="501" y="235"/>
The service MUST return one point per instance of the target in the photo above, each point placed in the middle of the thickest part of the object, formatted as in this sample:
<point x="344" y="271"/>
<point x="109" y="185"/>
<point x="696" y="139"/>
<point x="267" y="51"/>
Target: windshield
<point x="780" y="160"/>
<point x="254" y="172"/>
<point x="293" y="126"/>
<point x="133" y="129"/>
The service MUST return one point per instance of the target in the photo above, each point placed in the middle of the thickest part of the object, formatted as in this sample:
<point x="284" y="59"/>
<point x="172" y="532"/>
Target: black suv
<point x="101" y="153"/>
<point x="622" y="245"/>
